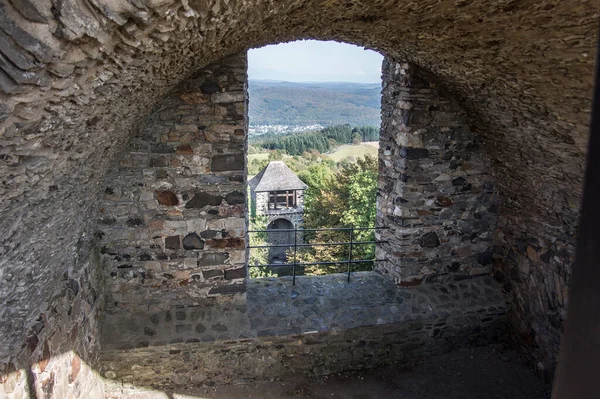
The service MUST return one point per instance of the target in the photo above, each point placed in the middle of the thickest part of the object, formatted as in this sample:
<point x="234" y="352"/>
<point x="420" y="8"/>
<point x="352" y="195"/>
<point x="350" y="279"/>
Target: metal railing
<point x="295" y="245"/>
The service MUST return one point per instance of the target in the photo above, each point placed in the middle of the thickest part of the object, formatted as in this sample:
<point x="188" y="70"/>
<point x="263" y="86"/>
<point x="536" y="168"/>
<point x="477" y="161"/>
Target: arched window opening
<point x="180" y="250"/>
<point x="314" y="119"/>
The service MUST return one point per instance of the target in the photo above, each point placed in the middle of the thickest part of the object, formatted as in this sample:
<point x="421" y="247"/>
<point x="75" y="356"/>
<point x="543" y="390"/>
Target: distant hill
<point x="292" y="103"/>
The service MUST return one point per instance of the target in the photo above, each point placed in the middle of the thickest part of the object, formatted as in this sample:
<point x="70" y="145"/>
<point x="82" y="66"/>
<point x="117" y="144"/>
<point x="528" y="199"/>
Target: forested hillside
<point x="292" y="103"/>
<point x="322" y="141"/>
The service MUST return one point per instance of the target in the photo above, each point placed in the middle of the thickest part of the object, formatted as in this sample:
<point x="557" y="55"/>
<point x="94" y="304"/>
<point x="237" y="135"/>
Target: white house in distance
<point x="278" y="193"/>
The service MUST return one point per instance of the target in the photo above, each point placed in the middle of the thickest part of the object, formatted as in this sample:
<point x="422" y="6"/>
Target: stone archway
<point x="279" y="223"/>
<point x="183" y="251"/>
<point x="275" y="237"/>
<point x="77" y="79"/>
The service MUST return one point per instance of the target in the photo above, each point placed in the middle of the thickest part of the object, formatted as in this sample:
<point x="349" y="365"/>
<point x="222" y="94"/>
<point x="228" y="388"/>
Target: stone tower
<point x="278" y="193"/>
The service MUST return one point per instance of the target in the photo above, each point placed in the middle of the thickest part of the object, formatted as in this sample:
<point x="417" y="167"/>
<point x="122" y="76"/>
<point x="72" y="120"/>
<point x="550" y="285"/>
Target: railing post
<point x="295" y="249"/>
<point x="350" y="252"/>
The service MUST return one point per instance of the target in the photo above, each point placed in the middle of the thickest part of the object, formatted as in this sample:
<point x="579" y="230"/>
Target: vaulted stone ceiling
<point x="77" y="77"/>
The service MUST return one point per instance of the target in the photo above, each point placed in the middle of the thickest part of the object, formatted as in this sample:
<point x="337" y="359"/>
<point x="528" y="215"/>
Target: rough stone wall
<point x="177" y="366"/>
<point x="321" y="325"/>
<point x="58" y="355"/>
<point x="172" y="219"/>
<point x="77" y="77"/>
<point x="436" y="193"/>
<point x="262" y="201"/>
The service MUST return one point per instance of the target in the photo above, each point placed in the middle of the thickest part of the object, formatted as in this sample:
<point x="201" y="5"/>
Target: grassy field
<point x="355" y="151"/>
<point x="252" y="157"/>
<point x="342" y="152"/>
<point x="372" y="143"/>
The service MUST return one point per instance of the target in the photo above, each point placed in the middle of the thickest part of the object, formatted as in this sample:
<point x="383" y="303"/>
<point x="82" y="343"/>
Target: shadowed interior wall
<point x="78" y="78"/>
<point x="436" y="191"/>
<point x="172" y="219"/>
<point x="57" y="355"/>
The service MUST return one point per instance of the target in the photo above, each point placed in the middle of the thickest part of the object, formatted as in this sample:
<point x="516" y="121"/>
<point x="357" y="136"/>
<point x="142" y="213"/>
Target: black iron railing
<point x="295" y="245"/>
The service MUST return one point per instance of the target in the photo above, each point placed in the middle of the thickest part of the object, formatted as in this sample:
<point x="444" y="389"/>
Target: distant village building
<point x="278" y="193"/>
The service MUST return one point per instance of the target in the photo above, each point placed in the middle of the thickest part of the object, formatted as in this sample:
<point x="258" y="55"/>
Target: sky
<point x="315" y="61"/>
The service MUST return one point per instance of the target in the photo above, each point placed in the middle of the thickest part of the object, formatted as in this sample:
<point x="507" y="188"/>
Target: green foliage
<point x="254" y="150"/>
<point x="256" y="166"/>
<point x="344" y="199"/>
<point x="275" y="155"/>
<point x="367" y="133"/>
<point x="339" y="194"/>
<point x="353" y="152"/>
<point x="315" y="177"/>
<point x="322" y="141"/>
<point x="258" y="256"/>
<point x="295" y="144"/>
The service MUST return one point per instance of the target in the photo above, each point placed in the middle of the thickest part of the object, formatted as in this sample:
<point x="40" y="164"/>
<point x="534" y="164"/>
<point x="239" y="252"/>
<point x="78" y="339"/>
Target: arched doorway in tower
<point x="281" y="239"/>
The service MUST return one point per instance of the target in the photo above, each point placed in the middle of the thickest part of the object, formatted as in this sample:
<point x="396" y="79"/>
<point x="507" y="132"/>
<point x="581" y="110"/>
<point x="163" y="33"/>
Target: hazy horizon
<point x="313" y="61"/>
<point x="312" y="82"/>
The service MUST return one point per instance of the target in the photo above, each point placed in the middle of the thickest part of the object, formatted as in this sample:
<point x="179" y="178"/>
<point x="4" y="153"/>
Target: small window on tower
<point x="282" y="199"/>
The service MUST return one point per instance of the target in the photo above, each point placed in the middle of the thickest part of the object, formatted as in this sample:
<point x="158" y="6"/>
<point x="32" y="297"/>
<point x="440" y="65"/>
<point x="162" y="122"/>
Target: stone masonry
<point x="59" y="357"/>
<point x="436" y="192"/>
<point x="322" y="325"/>
<point x="77" y="78"/>
<point x="172" y="220"/>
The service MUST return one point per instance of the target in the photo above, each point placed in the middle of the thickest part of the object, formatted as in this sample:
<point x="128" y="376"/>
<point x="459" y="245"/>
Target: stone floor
<point x="329" y="303"/>
<point x="491" y="372"/>
<point x="321" y="325"/>
<point x="316" y="303"/>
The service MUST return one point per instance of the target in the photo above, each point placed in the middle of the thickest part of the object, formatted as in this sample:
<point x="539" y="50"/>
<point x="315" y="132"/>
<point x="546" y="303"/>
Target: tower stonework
<point x="277" y="194"/>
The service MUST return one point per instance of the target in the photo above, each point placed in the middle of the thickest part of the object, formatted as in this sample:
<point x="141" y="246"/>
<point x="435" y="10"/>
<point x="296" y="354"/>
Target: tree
<point x="256" y="166"/>
<point x="322" y="140"/>
<point x="343" y="199"/>
<point x="258" y="256"/>
<point x="275" y="156"/>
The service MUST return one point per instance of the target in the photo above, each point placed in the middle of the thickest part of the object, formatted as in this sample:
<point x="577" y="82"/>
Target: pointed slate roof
<point x="276" y="176"/>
